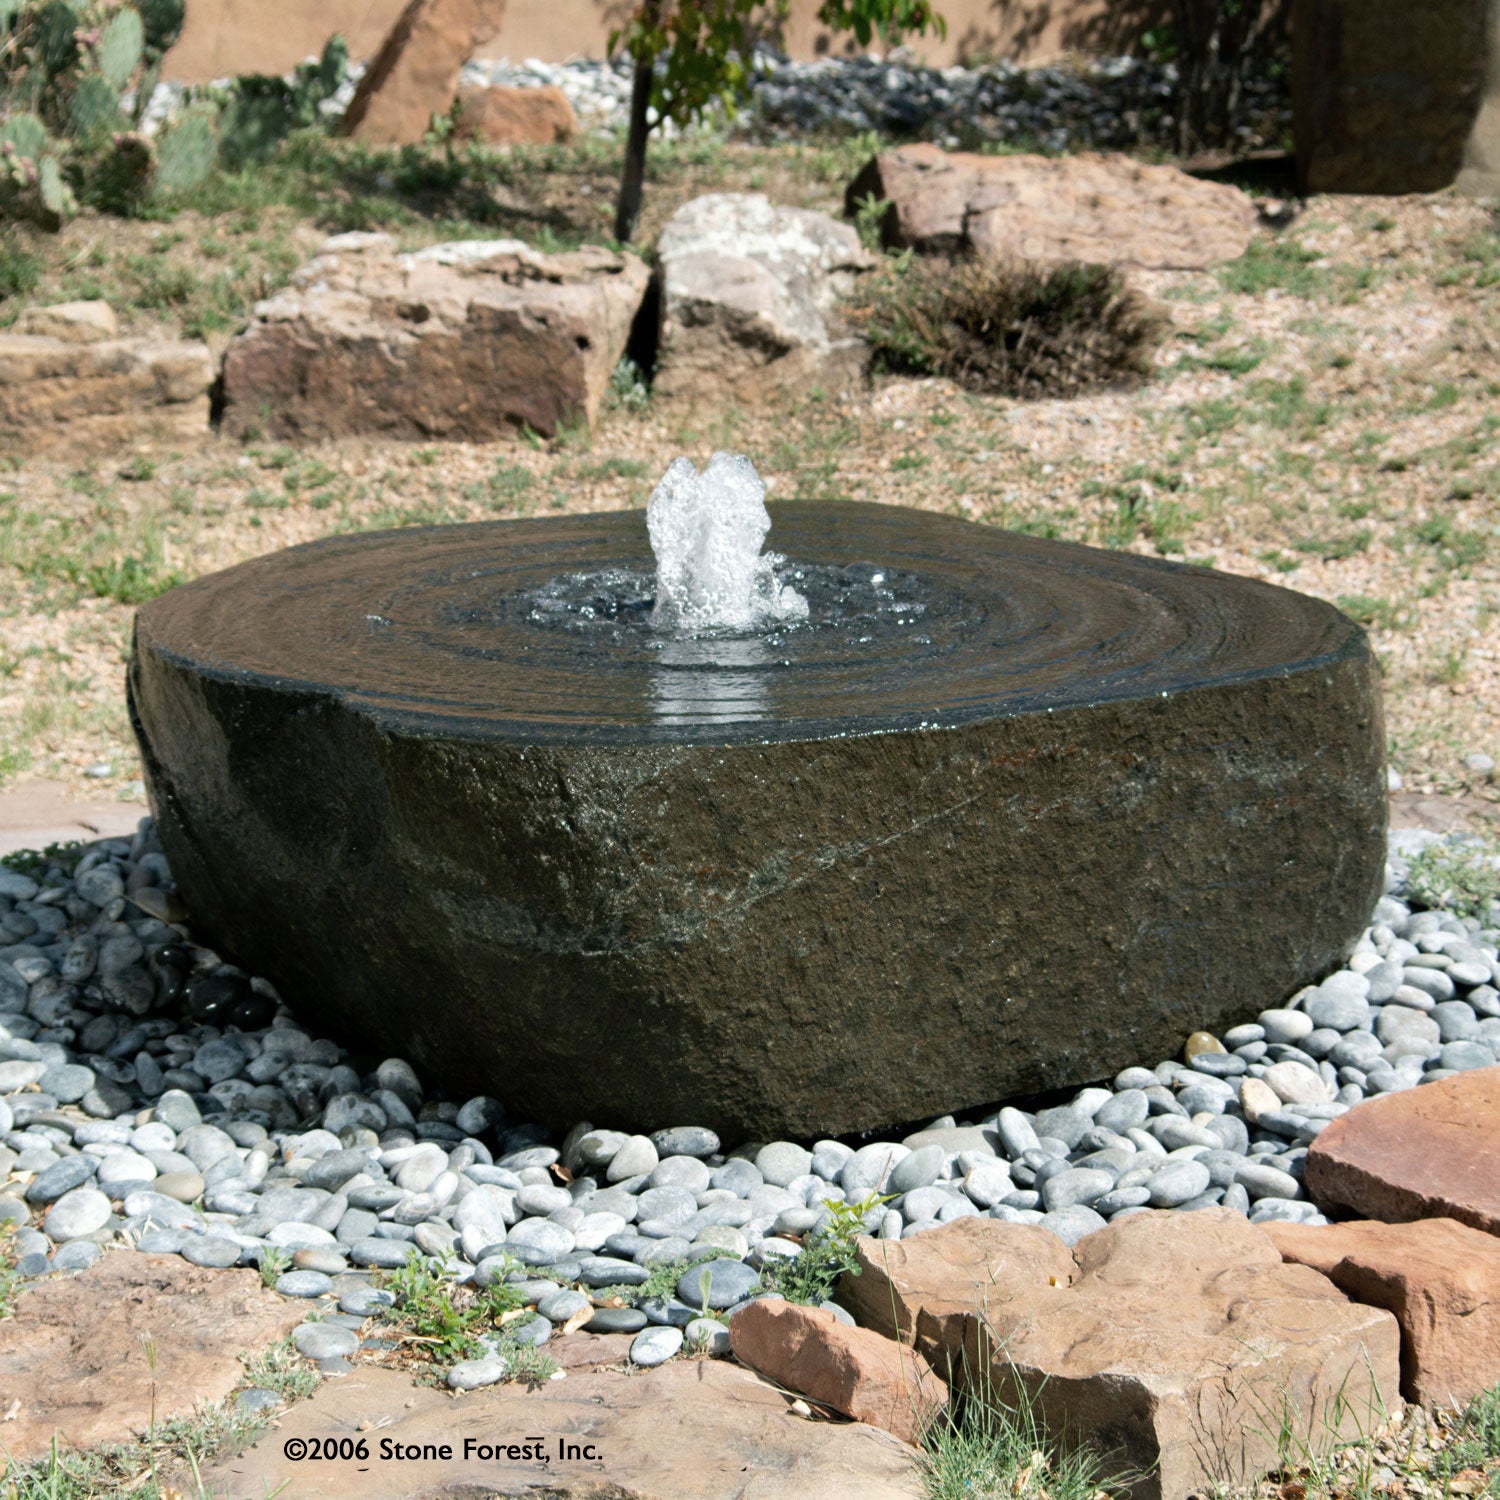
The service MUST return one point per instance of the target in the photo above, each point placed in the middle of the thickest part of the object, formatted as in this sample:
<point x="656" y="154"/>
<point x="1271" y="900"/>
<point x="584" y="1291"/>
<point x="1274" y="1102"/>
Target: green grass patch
<point x="1462" y="878"/>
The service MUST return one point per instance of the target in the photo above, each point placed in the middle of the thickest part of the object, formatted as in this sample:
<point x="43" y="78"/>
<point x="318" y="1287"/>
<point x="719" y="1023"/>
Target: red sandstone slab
<point x="1440" y="1278"/>
<point x="1426" y="1153"/>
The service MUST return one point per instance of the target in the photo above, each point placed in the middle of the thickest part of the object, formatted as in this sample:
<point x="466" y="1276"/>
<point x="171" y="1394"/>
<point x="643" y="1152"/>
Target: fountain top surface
<point x="539" y="632"/>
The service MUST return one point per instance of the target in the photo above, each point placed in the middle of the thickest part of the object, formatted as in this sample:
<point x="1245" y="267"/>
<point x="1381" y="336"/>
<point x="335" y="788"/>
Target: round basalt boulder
<point x="1002" y="815"/>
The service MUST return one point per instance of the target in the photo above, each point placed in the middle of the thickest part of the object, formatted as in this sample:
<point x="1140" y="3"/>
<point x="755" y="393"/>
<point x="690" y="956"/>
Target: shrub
<point x="1011" y="328"/>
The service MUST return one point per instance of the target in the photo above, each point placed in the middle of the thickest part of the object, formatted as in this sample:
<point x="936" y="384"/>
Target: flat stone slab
<point x="72" y="1362"/>
<point x="689" y="1430"/>
<point x="35" y="813"/>
<point x="1104" y="209"/>
<point x="1060" y="806"/>
<point x="1440" y="1278"/>
<point x="1176" y="1344"/>
<point x="1423" y="1153"/>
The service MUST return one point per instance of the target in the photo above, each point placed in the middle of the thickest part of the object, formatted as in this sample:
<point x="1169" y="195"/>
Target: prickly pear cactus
<point x="121" y="47"/>
<point x="186" y="150"/>
<point x="95" y="105"/>
<point x="26" y="133"/>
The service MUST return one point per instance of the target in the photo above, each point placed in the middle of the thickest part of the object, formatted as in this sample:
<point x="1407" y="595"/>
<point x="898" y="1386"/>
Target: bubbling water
<point x="706" y="532"/>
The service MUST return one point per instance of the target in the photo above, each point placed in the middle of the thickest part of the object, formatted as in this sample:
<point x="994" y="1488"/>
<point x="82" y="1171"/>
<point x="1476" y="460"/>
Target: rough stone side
<point x="416" y="71"/>
<point x="1387" y="100"/>
<point x="857" y="1372"/>
<point x="749" y="294"/>
<point x="1105" y="210"/>
<point x="459" y="341"/>
<point x="1440" y="1278"/>
<point x="1175" y="1343"/>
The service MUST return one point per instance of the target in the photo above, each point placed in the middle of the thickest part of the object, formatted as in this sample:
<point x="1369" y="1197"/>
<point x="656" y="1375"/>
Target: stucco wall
<point x="223" y="37"/>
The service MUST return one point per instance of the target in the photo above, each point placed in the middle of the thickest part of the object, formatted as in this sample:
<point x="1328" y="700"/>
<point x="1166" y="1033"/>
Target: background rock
<point x="458" y="341"/>
<point x="415" y="74"/>
<point x="513" y="117"/>
<point x="67" y="379"/>
<point x="1382" y="106"/>
<point x="748" y="295"/>
<point x="1108" y="210"/>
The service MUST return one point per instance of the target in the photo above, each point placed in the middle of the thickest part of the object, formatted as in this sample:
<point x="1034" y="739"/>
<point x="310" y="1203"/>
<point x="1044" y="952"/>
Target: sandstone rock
<point x="516" y="117"/>
<point x="925" y="1290"/>
<point x="72" y="1362"/>
<point x="457" y="341"/>
<point x="1382" y="106"/>
<point x="1169" y="1341"/>
<point x="701" y="1430"/>
<point x="72" y="322"/>
<point x="66" y="378"/>
<point x="1422" y="1153"/>
<point x="414" y="76"/>
<point x="857" y="1372"/>
<point x="748" y="294"/>
<point x="1440" y="1278"/>
<point x="1102" y="209"/>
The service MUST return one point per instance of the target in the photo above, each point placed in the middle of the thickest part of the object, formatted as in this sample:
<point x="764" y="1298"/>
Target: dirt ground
<point x="1323" y="415"/>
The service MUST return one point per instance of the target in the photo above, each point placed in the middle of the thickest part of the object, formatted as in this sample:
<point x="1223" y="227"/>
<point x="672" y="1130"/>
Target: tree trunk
<point x="628" y="211"/>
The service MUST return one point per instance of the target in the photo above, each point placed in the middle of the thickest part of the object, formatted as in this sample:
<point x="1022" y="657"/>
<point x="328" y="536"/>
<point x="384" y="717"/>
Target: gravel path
<point x="152" y="1094"/>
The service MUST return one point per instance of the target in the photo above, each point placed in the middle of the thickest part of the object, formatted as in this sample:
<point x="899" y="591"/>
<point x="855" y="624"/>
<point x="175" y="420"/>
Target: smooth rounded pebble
<point x="324" y="1341"/>
<point x="473" y="1374"/>
<point x="303" y="1284"/>
<point x="656" y="1345"/>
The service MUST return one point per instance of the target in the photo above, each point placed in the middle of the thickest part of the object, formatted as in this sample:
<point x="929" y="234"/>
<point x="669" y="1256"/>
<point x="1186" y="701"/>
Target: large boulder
<point x="855" y="1371"/>
<point x="459" y="341"/>
<point x="66" y="376"/>
<point x="781" y="886"/>
<point x="500" y="116"/>
<point x="1177" y="1346"/>
<point x="1429" y="1152"/>
<point x="1385" y="100"/>
<point x="415" y="74"/>
<point x="1106" y="210"/>
<point x="748" y="298"/>
<point x="1440" y="1278"/>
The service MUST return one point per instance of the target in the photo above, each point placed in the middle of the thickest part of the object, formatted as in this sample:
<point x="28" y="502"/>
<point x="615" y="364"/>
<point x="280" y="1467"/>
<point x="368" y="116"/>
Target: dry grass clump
<point x="1011" y="328"/>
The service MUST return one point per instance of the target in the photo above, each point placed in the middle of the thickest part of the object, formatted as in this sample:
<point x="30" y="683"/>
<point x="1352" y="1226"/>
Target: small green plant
<point x="1380" y="613"/>
<point x="274" y="1263"/>
<point x="1460" y="877"/>
<point x="870" y="214"/>
<point x="10" y="1282"/>
<point x="628" y="388"/>
<point x="993" y="1445"/>
<point x="811" y="1275"/>
<point x="1014" y="329"/>
<point x="258" y="112"/>
<point x="1476" y="1442"/>
<point x="443" y="1320"/>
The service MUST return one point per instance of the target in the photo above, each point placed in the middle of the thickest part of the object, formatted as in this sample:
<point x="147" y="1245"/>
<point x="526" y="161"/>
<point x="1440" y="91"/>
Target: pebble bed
<point x="154" y="1096"/>
<point x="1109" y="103"/>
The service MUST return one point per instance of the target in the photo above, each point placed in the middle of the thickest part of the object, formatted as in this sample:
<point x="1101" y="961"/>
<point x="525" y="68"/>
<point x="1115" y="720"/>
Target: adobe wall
<point x="224" y="37"/>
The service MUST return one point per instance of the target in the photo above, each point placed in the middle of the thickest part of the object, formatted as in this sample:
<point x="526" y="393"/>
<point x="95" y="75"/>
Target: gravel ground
<point x="152" y="1094"/>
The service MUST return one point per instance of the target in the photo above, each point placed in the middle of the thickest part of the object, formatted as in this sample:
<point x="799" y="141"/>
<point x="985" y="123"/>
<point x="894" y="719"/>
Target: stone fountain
<point x="918" y="815"/>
